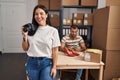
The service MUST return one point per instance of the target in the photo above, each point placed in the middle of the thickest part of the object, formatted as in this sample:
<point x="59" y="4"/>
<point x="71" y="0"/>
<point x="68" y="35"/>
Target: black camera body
<point x="30" y="28"/>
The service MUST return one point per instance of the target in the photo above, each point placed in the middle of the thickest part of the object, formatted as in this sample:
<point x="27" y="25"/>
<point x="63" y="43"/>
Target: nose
<point x="39" y="15"/>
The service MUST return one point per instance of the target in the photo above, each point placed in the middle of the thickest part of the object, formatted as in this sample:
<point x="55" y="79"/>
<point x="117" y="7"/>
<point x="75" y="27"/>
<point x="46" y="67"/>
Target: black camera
<point x="30" y="28"/>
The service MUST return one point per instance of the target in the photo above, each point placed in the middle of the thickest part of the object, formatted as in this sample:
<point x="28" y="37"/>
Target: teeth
<point x="39" y="20"/>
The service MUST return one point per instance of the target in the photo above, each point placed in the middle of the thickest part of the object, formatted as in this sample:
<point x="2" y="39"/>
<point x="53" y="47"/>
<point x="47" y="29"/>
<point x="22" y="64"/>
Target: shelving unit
<point x="84" y="30"/>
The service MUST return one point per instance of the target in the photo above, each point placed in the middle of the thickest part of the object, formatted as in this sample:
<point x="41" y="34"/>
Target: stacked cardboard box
<point x="50" y="4"/>
<point x="88" y="2"/>
<point x="54" y="18"/>
<point x="116" y="79"/>
<point x="70" y="3"/>
<point x="113" y="2"/>
<point x="44" y="2"/>
<point x="77" y="18"/>
<point x="67" y="21"/>
<point x="80" y="2"/>
<point x="88" y="19"/>
<point x="105" y="36"/>
<point x="55" y="4"/>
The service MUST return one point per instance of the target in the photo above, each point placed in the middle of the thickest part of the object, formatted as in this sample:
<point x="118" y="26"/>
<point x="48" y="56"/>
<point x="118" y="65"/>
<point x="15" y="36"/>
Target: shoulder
<point x="52" y="28"/>
<point x="66" y="37"/>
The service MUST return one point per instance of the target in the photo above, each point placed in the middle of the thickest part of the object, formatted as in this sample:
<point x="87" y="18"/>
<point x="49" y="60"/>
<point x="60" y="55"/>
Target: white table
<point x="65" y="62"/>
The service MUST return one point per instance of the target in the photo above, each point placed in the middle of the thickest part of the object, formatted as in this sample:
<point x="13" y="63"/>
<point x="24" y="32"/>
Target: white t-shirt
<point x="41" y="44"/>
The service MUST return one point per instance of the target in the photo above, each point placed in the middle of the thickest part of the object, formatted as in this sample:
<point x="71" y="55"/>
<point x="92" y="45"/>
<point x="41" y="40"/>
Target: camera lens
<point x="30" y="28"/>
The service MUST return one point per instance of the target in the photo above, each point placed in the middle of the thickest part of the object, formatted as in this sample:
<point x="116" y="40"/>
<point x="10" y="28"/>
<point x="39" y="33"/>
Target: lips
<point x="39" y="20"/>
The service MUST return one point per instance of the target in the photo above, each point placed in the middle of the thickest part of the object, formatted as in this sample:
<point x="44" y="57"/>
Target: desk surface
<point x="66" y="62"/>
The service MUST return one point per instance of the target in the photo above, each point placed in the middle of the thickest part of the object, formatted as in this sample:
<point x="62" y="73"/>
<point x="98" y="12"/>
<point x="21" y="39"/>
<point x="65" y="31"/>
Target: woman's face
<point x="40" y="16"/>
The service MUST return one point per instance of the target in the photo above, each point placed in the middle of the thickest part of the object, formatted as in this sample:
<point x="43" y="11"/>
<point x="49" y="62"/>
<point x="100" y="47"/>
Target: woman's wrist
<point x="54" y="67"/>
<point x="24" y="38"/>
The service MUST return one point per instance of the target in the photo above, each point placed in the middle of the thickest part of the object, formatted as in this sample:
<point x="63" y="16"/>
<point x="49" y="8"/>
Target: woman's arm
<point x="25" y="44"/>
<point x="55" y="57"/>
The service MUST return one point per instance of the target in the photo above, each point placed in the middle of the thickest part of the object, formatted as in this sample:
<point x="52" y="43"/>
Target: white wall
<point x="30" y="4"/>
<point x="101" y="3"/>
<point x="0" y="29"/>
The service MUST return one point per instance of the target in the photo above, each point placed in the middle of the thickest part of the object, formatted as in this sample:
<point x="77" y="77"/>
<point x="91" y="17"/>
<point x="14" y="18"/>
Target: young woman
<point x="42" y="47"/>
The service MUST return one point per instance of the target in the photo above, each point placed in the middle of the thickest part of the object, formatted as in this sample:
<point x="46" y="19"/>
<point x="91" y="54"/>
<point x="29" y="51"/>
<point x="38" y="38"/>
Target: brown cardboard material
<point x="44" y="2"/>
<point x="106" y="39"/>
<point x="87" y="22"/>
<point x="77" y="16"/>
<point x="77" y="22"/>
<point x="106" y="28"/>
<point x="114" y="17"/>
<point x="113" y="2"/>
<point x="111" y="59"/>
<point x="54" y="18"/>
<point x="55" y="4"/>
<point x="70" y="3"/>
<point x="88" y="16"/>
<point x="67" y="21"/>
<point x="95" y="55"/>
<point x="88" y="2"/>
<point x="116" y="79"/>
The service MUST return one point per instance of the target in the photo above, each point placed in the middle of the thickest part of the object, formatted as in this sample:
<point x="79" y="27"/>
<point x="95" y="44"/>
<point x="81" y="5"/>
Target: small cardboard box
<point x="88" y="2"/>
<point x="67" y="21"/>
<point x="54" y="18"/>
<point x="116" y="79"/>
<point x="55" y="4"/>
<point x="44" y="2"/>
<point x="77" y="15"/>
<point x="87" y="22"/>
<point x="88" y="16"/>
<point x="95" y="55"/>
<point x="70" y="3"/>
<point x="77" y="21"/>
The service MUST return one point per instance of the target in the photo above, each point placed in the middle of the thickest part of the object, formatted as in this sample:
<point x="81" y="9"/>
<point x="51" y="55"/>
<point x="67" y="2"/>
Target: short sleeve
<point x="81" y="40"/>
<point x="56" y="39"/>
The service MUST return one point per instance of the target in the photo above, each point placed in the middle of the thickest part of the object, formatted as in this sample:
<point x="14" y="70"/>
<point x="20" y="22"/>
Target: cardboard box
<point x="87" y="22"/>
<point x="111" y="68"/>
<point x="95" y="55"/>
<point x="70" y="3"/>
<point x="111" y="59"/>
<point x="44" y="2"/>
<point x="88" y="2"/>
<point x="77" y="22"/>
<point x="106" y="39"/>
<point x="113" y="2"/>
<point x="67" y="22"/>
<point x="88" y="16"/>
<point x="55" y="4"/>
<point x="77" y="15"/>
<point x="54" y="18"/>
<point x="116" y="79"/>
<point x="107" y="25"/>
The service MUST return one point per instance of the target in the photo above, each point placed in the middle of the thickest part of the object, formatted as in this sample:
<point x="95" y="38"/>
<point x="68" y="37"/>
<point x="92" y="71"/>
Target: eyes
<point x="39" y="12"/>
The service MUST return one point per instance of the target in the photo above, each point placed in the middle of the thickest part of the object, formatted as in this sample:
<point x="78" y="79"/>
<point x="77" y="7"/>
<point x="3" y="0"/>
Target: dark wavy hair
<point x="46" y="11"/>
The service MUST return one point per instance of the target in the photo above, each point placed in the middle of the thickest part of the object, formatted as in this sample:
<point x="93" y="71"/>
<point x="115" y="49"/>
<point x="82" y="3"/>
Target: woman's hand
<point x="24" y="34"/>
<point x="25" y="44"/>
<point x="53" y="72"/>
